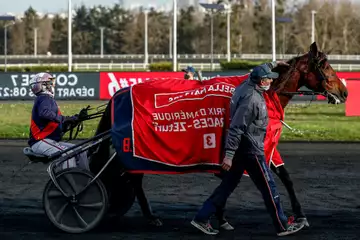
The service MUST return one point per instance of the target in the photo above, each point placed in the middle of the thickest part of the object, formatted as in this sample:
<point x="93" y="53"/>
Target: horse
<point x="311" y="70"/>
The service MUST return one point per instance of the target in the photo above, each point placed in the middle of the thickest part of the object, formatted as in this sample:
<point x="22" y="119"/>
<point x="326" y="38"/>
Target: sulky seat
<point x="34" y="157"/>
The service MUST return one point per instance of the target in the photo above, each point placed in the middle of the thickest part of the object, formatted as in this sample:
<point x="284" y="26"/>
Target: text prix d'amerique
<point x="181" y="121"/>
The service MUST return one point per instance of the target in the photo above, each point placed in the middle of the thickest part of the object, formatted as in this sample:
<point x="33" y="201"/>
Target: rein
<point x="304" y="93"/>
<point x="84" y="116"/>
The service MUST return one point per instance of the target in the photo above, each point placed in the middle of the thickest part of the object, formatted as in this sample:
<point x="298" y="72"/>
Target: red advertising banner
<point x="352" y="83"/>
<point x="110" y="82"/>
<point x="181" y="122"/>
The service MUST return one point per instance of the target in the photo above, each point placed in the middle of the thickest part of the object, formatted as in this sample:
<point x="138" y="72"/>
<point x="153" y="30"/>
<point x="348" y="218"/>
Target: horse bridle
<point x="316" y="62"/>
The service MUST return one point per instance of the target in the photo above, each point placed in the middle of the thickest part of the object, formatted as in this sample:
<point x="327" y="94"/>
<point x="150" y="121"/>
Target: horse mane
<point x="285" y="73"/>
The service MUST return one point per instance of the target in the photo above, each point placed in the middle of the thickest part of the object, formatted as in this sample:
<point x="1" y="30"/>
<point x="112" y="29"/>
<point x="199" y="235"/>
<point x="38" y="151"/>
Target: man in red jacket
<point x="48" y="124"/>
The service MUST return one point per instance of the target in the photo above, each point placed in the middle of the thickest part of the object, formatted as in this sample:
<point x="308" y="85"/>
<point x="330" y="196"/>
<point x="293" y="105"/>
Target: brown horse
<point x="311" y="70"/>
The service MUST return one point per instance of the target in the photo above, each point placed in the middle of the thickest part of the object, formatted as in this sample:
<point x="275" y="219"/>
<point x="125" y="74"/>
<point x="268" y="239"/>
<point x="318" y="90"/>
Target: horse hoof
<point x="156" y="222"/>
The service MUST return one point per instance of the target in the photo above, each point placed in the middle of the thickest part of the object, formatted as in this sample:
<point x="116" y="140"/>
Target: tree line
<point x="337" y="29"/>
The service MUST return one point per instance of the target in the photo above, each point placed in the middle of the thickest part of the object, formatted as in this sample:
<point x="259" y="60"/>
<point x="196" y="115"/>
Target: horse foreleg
<point x="143" y="202"/>
<point x="284" y="176"/>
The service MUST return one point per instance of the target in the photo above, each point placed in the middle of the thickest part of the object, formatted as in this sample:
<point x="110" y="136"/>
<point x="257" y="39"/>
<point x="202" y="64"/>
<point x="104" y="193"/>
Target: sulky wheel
<point x="78" y="213"/>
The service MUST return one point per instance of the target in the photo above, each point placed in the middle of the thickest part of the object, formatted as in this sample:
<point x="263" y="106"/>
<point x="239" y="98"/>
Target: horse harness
<point x="315" y="61"/>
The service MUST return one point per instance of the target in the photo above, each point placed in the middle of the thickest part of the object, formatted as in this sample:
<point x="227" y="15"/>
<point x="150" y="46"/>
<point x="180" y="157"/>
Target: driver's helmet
<point x="43" y="83"/>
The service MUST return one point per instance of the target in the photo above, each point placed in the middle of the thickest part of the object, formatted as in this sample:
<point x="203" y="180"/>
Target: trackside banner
<point x="352" y="83"/>
<point x="179" y="122"/>
<point x="103" y="85"/>
<point x="110" y="82"/>
<point x="69" y="86"/>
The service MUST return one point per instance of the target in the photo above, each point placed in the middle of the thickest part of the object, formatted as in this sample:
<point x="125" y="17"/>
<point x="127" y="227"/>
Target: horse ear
<point x="314" y="49"/>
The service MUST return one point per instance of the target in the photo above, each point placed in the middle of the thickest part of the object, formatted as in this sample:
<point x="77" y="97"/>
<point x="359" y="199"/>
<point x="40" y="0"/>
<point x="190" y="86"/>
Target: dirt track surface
<point x="326" y="178"/>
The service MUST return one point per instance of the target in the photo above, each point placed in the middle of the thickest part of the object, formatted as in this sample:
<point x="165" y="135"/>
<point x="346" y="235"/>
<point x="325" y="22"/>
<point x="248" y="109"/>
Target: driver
<point x="48" y="124"/>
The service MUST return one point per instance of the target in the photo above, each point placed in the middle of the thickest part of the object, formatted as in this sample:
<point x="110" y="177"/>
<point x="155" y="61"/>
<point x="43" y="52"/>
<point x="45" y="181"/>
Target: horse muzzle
<point x="333" y="98"/>
<point x="334" y="95"/>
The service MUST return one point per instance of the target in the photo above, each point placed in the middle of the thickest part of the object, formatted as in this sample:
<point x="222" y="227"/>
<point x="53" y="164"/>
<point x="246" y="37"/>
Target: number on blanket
<point x="126" y="145"/>
<point x="209" y="141"/>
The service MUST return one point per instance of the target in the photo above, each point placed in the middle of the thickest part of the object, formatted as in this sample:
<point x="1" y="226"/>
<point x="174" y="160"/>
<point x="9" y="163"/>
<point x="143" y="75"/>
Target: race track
<point x="326" y="177"/>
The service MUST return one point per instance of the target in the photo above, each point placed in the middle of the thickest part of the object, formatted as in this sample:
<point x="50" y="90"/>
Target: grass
<point x="320" y="122"/>
<point x="15" y="117"/>
<point x="312" y="122"/>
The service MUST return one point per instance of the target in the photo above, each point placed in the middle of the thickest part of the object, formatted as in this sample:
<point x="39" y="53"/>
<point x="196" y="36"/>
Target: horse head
<point x="313" y="71"/>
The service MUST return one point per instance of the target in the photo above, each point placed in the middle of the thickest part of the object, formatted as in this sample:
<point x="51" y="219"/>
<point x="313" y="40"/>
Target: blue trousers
<point x="260" y="174"/>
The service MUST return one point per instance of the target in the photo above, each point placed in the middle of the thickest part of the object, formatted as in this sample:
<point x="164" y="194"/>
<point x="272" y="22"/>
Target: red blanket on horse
<point x="178" y="125"/>
<point x="274" y="128"/>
